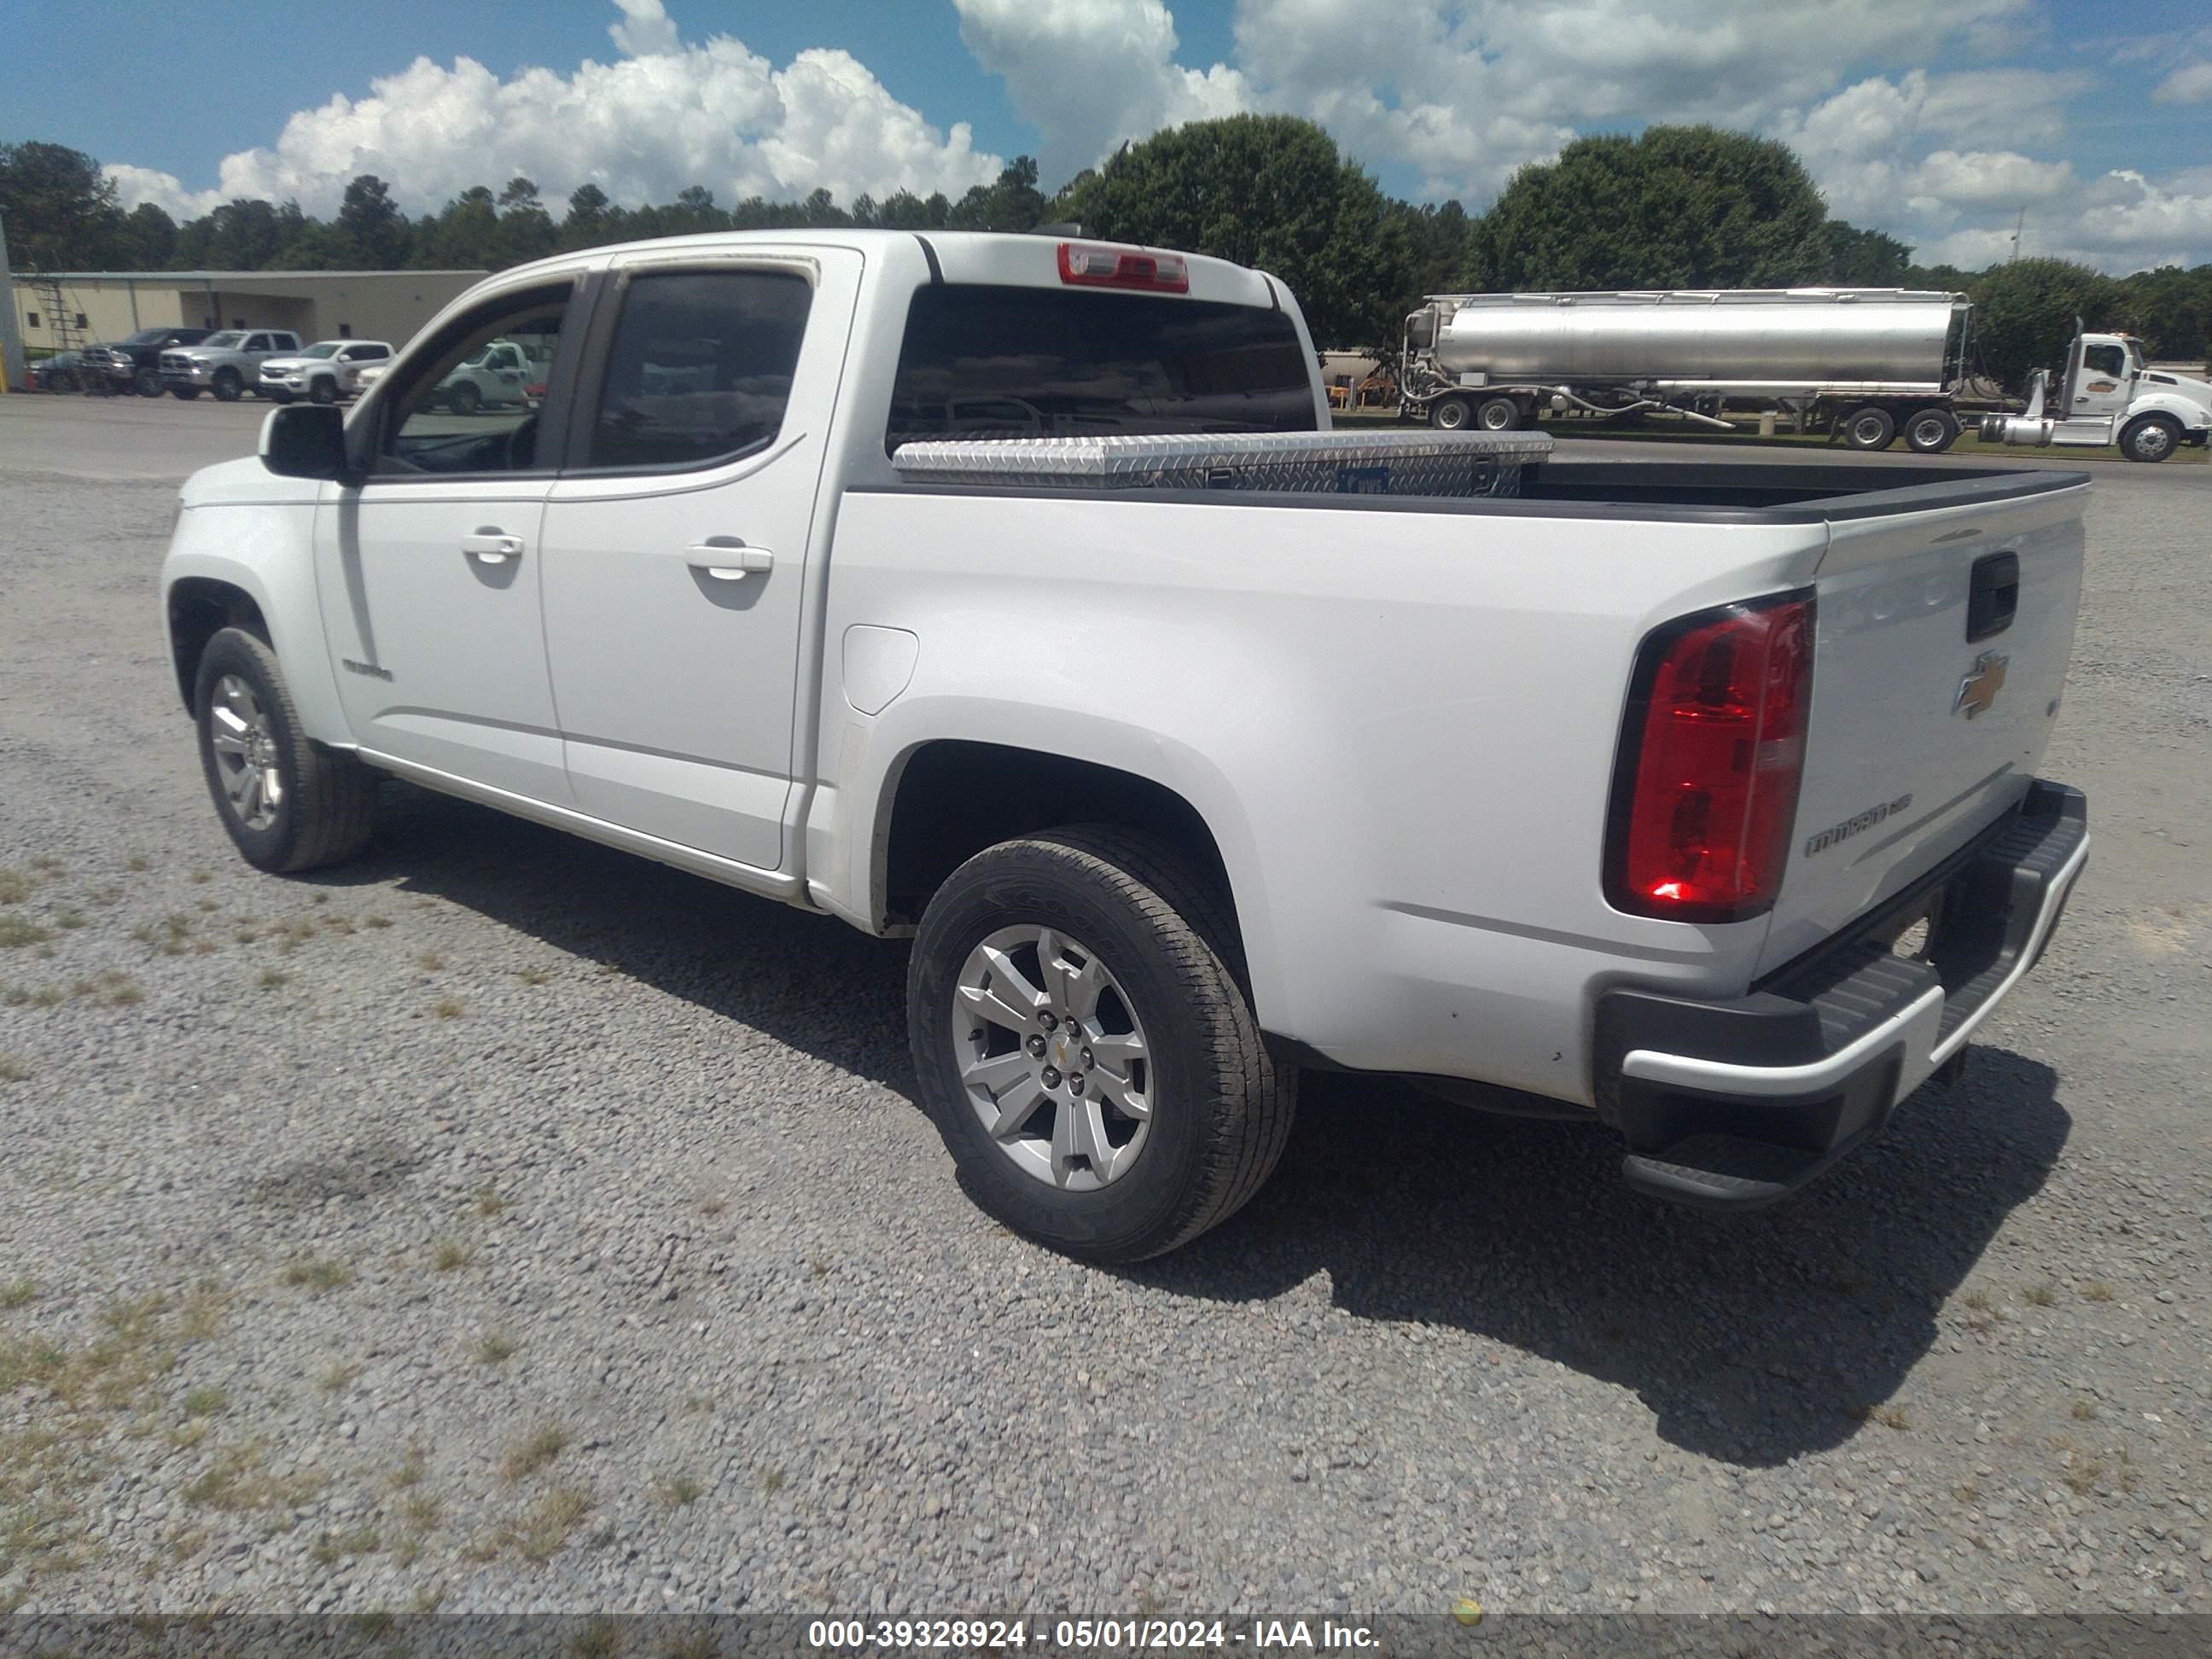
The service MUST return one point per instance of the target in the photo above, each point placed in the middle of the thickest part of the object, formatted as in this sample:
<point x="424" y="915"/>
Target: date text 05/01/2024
<point x="1080" y="1635"/>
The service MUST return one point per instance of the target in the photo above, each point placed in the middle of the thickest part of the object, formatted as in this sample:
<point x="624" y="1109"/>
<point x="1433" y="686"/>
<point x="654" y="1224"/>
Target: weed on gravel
<point x="495" y="1349"/>
<point x="317" y="1273"/>
<point x="16" y="932"/>
<point x="17" y="1293"/>
<point x="13" y="1070"/>
<point x="532" y="1453"/>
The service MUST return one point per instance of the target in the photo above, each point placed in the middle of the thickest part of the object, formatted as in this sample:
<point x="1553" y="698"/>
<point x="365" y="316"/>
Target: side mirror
<point x="304" y="440"/>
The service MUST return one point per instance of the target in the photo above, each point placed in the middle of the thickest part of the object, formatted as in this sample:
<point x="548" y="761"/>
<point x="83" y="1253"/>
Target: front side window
<point x="259" y="342"/>
<point x="2104" y="360"/>
<point x="462" y="409"/>
<point x="223" y="342"/>
<point x="983" y="362"/>
<point x="701" y="368"/>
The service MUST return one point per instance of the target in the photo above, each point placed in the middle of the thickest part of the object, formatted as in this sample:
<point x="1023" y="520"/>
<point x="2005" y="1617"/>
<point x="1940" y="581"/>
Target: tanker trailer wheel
<point x="1450" y="414"/>
<point x="1498" y="414"/>
<point x="1930" y="431"/>
<point x="1869" y="428"/>
<point x="2150" y="437"/>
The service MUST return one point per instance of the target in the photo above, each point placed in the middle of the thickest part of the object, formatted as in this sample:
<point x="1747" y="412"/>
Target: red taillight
<point x="1706" y="787"/>
<point x="1095" y="266"/>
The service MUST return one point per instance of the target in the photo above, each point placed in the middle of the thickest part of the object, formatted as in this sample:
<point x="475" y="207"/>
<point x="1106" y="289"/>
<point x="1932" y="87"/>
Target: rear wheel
<point x="1450" y="414"/>
<point x="1498" y="414"/>
<point x="1869" y="428"/>
<point x="147" y="383"/>
<point x="287" y="803"/>
<point x="2150" y="437"/>
<point x="227" y="386"/>
<point x="1930" y="431"/>
<point x="1084" y="1045"/>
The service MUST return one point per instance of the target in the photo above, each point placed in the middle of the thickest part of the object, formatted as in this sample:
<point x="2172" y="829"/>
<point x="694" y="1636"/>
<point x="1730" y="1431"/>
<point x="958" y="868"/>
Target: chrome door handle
<point x="729" y="564"/>
<point x="490" y="547"/>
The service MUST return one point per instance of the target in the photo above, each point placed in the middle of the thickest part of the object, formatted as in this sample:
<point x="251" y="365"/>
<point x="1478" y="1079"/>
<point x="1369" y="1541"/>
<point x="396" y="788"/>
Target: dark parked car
<point x="135" y="364"/>
<point x="59" y="373"/>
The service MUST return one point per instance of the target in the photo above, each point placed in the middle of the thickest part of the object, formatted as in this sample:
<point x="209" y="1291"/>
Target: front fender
<point x="266" y="551"/>
<point x="2192" y="415"/>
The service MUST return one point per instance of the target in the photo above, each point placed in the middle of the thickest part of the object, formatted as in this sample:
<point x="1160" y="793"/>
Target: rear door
<point x="1941" y="639"/>
<point x="675" y="542"/>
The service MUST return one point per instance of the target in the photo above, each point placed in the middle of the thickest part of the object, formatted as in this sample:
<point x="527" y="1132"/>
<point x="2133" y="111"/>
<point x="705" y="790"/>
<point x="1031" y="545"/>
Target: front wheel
<point x="2150" y="437"/>
<point x="1085" y="1047"/>
<point x="465" y="398"/>
<point x="183" y="394"/>
<point x="287" y="803"/>
<point x="322" y="390"/>
<point x="228" y="386"/>
<point x="275" y="396"/>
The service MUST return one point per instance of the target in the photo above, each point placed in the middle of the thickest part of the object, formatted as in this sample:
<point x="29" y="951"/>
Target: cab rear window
<point x="987" y="361"/>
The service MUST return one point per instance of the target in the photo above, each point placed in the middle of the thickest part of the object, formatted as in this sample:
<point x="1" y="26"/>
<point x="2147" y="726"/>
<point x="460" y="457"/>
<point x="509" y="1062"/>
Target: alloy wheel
<point x="245" y="753"/>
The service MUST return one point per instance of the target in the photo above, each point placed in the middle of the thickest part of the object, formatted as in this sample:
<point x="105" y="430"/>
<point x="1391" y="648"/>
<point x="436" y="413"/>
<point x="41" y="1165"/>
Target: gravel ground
<point x="502" y="1222"/>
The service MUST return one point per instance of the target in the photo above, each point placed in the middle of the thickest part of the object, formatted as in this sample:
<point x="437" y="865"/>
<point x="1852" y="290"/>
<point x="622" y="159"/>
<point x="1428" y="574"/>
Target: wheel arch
<point x="199" y="608"/>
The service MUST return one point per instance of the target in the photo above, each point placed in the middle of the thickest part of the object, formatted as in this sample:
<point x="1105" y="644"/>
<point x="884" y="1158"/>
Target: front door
<point x="427" y="568"/>
<point x="2100" y="386"/>
<point x="675" y="542"/>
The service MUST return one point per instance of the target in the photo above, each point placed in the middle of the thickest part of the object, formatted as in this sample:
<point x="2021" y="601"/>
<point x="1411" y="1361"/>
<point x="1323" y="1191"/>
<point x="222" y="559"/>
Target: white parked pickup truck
<point x="1696" y="798"/>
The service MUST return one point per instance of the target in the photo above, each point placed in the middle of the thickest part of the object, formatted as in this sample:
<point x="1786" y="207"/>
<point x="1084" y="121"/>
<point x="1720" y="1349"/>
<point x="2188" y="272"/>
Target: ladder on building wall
<point x="63" y="331"/>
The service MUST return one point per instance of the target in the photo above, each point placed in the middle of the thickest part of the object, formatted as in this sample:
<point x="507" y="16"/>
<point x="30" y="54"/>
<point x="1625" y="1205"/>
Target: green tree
<point x="592" y="220"/>
<point x="2171" y="309"/>
<point x="904" y="210"/>
<point x="1268" y="191"/>
<point x="247" y="234"/>
<point x="61" y="210"/>
<point x="526" y="229"/>
<point x="1013" y="202"/>
<point x="2024" y="313"/>
<point x="147" y="239"/>
<point x="1675" y="207"/>
<point x="1864" y="259"/>
<point x="464" y="235"/>
<point x="375" y="232"/>
<point x="1442" y="242"/>
<point x="318" y="246"/>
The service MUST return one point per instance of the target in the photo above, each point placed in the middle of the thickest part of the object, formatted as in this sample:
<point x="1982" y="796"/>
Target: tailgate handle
<point x="1992" y="595"/>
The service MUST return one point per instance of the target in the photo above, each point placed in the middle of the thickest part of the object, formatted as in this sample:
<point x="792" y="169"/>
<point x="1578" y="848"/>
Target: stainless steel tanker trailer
<point x="1864" y="364"/>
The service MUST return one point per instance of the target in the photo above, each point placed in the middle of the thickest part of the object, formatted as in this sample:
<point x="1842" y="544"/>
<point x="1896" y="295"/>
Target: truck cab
<point x="2108" y="394"/>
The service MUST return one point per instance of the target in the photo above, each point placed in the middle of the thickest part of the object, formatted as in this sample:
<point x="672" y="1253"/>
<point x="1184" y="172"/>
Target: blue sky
<point x="1939" y="122"/>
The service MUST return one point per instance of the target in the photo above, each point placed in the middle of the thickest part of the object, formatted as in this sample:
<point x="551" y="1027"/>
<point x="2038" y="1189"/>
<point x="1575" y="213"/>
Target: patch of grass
<point x="447" y="1008"/>
<point x="680" y="1490"/>
<point x="599" y="1639"/>
<point x="137" y="861"/>
<point x="533" y="975"/>
<point x="533" y="1451"/>
<point x="13" y="1070"/>
<point x="1966" y="1492"/>
<point x="1889" y="1416"/>
<point x="450" y="1256"/>
<point x="205" y="1400"/>
<point x="16" y="932"/>
<point x="15" y="886"/>
<point x="2084" y="1475"/>
<point x="69" y="921"/>
<point x="41" y="996"/>
<point x="109" y="990"/>
<point x="413" y="1469"/>
<point x="488" y="1202"/>
<point x="542" y="1529"/>
<point x="771" y="1480"/>
<point x="292" y="935"/>
<point x="1977" y="1300"/>
<point x="236" y="1482"/>
<point x="273" y="979"/>
<point x="421" y="1510"/>
<point x="376" y="921"/>
<point x="17" y="1293"/>
<point x="337" y="1377"/>
<point x="208" y="907"/>
<point x="2041" y="1294"/>
<point x="495" y="1348"/>
<point x="2084" y="1412"/>
<point x="200" y="878"/>
<point x="711" y="1207"/>
<point x="2096" y="1291"/>
<point x="431" y="961"/>
<point x="317" y="1273"/>
<point x="333" y="1547"/>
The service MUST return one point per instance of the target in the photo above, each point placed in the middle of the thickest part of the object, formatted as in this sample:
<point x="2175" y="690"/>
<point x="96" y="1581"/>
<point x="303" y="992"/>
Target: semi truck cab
<point x="2108" y="395"/>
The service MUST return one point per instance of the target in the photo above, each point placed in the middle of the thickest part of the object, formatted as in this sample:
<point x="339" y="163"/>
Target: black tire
<point x="328" y="807"/>
<point x="1868" y="427"/>
<point x="465" y="398"/>
<point x="64" y="382"/>
<point x="147" y="382"/>
<point x="1930" y="431"/>
<point x="1498" y="414"/>
<point x="276" y="397"/>
<point x="322" y="389"/>
<point x="1221" y="1107"/>
<point x="1450" y="414"/>
<point x="227" y="386"/>
<point x="2150" y="438"/>
<point x="183" y="394"/>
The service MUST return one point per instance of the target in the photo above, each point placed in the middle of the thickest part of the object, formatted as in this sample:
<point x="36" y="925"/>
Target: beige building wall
<point x="368" y="305"/>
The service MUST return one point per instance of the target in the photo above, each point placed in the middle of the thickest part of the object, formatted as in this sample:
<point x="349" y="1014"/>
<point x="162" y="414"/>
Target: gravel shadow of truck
<point x="1750" y="1338"/>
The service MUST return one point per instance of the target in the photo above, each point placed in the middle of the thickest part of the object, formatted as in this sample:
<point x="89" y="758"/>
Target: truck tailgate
<point x="1920" y="736"/>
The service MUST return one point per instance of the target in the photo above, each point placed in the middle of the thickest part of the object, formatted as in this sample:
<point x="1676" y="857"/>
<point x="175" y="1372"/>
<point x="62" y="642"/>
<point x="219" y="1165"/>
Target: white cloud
<point x="1089" y="74"/>
<point x="2190" y="84"/>
<point x="1984" y="178"/>
<point x="665" y="116"/>
<point x="164" y="190"/>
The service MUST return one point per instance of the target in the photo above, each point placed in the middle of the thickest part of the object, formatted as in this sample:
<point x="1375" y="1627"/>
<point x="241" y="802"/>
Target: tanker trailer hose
<point x="1637" y="408"/>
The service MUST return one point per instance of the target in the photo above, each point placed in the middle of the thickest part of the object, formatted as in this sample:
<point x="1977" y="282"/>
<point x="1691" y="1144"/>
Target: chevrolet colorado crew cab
<point x="227" y="364"/>
<point x="1699" y="799"/>
<point x="324" y="373"/>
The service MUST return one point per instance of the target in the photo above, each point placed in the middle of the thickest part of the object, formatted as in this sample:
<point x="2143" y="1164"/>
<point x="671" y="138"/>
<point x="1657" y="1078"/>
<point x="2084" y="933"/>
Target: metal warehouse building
<point x="317" y="304"/>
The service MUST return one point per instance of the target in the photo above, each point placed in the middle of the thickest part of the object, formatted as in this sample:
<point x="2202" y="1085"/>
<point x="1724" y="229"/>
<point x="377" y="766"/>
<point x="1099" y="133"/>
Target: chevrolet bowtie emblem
<point x="1980" y="688"/>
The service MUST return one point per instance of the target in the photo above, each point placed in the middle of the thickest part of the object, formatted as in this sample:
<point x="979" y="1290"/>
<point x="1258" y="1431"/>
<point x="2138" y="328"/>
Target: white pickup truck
<point x="1696" y="798"/>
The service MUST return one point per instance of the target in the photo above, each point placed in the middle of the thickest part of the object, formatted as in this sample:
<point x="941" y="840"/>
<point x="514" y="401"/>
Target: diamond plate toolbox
<point x="1426" y="463"/>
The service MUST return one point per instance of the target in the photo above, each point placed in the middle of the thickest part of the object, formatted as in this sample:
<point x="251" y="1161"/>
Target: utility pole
<point x="11" y="342"/>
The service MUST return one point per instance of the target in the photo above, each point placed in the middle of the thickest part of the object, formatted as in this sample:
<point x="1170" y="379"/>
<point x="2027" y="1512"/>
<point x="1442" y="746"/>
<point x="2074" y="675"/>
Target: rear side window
<point x="983" y="362"/>
<point x="701" y="368"/>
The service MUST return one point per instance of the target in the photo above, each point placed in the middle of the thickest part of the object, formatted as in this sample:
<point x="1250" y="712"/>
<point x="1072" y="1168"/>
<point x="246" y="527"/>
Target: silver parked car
<point x="326" y="372"/>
